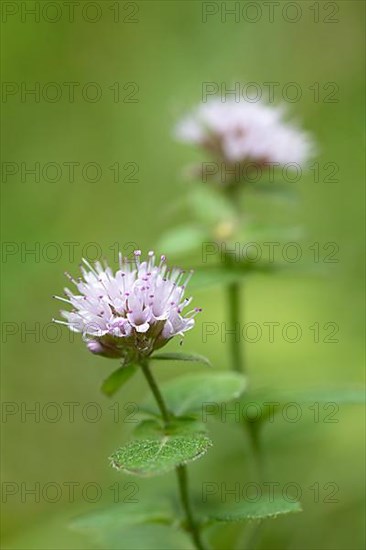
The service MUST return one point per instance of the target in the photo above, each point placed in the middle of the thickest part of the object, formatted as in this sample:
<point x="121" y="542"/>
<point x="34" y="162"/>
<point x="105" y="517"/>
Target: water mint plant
<point x="129" y="315"/>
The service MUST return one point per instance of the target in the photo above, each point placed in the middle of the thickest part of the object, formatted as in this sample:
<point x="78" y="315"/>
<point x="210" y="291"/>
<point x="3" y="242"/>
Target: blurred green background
<point x="169" y="52"/>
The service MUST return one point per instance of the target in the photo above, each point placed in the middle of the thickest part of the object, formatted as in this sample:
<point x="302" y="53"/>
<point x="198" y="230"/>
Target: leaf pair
<point x="157" y="449"/>
<point x="120" y="376"/>
<point x="133" y="526"/>
<point x="152" y="525"/>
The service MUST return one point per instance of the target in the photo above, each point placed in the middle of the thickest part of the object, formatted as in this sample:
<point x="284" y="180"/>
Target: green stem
<point x="237" y="359"/>
<point x="156" y="392"/>
<point x="181" y="471"/>
<point x="183" y="488"/>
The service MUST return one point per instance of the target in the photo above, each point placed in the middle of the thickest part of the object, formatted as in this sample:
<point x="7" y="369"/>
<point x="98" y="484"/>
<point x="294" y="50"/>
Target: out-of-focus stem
<point x="237" y="359"/>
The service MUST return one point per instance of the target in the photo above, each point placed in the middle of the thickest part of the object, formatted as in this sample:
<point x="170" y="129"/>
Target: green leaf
<point x="237" y="272"/>
<point x="347" y="396"/>
<point x="210" y="205"/>
<point x="225" y="274"/>
<point x="148" y="537"/>
<point x="117" y="379"/>
<point x="189" y="393"/>
<point x="260" y="233"/>
<point x="193" y="357"/>
<point x="124" y="514"/>
<point x="262" y="509"/>
<point x="132" y="526"/>
<point x="154" y="429"/>
<point x="158" y="450"/>
<point x="213" y="276"/>
<point x="275" y="190"/>
<point x="268" y="401"/>
<point x="183" y="239"/>
<point x="341" y="396"/>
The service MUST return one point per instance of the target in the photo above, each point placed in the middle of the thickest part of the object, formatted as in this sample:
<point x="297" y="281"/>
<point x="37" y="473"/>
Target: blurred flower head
<point x="131" y="312"/>
<point x="245" y="132"/>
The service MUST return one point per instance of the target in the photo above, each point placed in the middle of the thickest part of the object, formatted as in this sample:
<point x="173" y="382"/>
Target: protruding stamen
<point x="60" y="322"/>
<point x="89" y="266"/>
<point x="70" y="278"/>
<point x="62" y="299"/>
